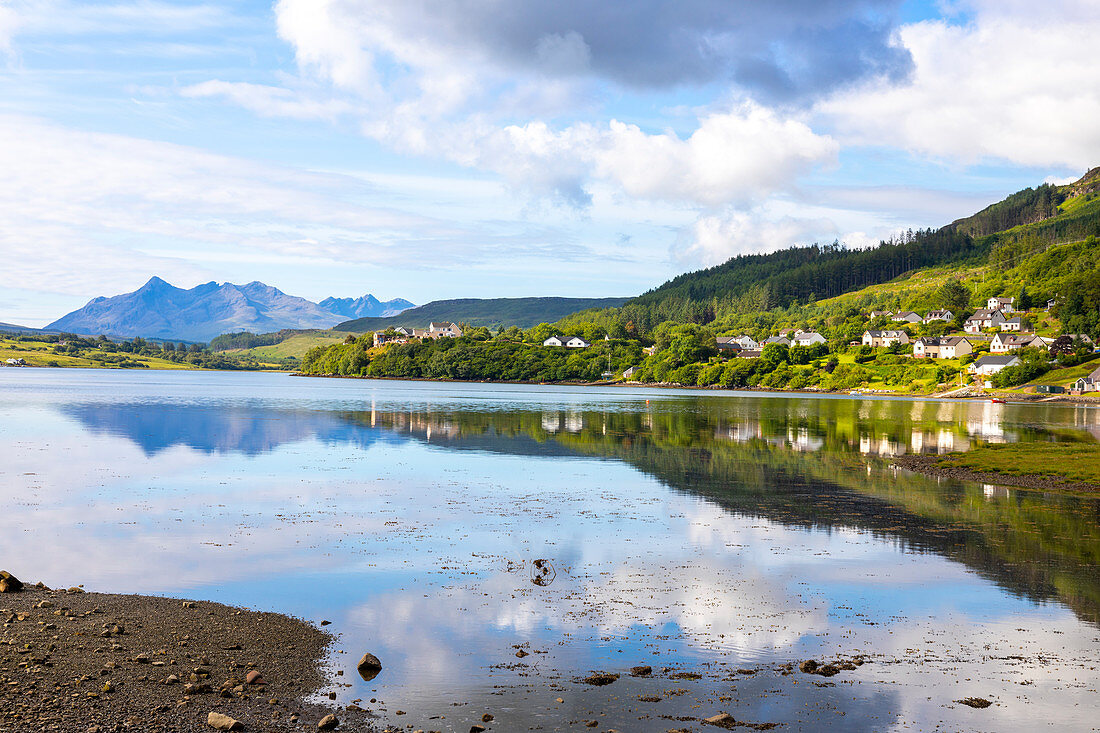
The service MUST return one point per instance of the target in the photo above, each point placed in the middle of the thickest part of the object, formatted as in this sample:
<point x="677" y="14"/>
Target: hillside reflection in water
<point x="691" y="530"/>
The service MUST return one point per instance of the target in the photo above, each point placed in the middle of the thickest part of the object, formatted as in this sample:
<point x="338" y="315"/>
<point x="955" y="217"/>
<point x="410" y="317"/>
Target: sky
<point x="429" y="149"/>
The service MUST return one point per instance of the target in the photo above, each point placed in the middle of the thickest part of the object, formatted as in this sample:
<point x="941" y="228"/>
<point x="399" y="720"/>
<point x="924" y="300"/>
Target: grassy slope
<point x="40" y="354"/>
<point x="522" y="312"/>
<point x="293" y="347"/>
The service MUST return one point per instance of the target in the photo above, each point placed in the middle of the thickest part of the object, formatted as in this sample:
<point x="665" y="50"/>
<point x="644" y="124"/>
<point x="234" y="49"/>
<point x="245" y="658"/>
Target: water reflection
<point x="689" y="531"/>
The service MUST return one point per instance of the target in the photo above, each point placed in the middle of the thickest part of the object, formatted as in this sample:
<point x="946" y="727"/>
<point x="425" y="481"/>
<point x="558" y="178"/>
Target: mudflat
<point x="89" y="662"/>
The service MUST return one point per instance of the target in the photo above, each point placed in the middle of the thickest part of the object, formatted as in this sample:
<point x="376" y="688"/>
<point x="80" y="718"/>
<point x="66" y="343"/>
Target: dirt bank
<point x="87" y="662"/>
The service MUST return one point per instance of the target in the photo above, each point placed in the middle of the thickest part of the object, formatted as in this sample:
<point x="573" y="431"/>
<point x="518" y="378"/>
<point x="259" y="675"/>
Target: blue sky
<point x="478" y="148"/>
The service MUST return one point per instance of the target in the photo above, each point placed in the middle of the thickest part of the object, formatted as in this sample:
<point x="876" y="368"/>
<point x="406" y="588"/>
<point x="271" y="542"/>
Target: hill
<point x="522" y="312"/>
<point x="162" y="311"/>
<point x="1023" y="223"/>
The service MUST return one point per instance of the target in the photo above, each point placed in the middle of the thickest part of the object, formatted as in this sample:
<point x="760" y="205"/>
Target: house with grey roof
<point x="993" y="363"/>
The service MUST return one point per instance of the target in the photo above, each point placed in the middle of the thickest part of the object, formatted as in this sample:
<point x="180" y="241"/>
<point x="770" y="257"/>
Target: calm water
<point x="692" y="531"/>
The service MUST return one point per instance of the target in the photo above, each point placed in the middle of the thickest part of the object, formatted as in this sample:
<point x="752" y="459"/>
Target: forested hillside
<point x="490" y="312"/>
<point x="1001" y="236"/>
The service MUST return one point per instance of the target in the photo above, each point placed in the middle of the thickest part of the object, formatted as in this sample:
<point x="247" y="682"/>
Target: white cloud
<point x="85" y="212"/>
<point x="1016" y="85"/>
<point x="713" y="239"/>
<point x="734" y="157"/>
<point x="269" y="101"/>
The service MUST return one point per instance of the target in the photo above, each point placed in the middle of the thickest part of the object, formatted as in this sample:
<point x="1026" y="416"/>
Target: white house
<point x="576" y="342"/>
<point x="629" y="373"/>
<point x="553" y="341"/>
<point x="908" y="317"/>
<point x="983" y="318"/>
<point x="1005" y="342"/>
<point x="1001" y="304"/>
<point x="1015" y="324"/>
<point x="938" y="316"/>
<point x="950" y="347"/>
<point x="884" y="339"/>
<point x="1089" y="383"/>
<point x="444" y="330"/>
<point x="727" y="343"/>
<point x="993" y="363"/>
<point x="807" y="338"/>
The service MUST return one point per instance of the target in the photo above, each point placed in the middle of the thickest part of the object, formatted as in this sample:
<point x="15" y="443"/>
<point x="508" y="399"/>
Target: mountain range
<point x="160" y="310"/>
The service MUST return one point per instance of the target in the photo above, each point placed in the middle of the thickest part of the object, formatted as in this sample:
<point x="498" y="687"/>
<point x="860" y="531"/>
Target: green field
<point x="40" y="354"/>
<point x="1073" y="461"/>
<point x="1066" y="376"/>
<point x="294" y="347"/>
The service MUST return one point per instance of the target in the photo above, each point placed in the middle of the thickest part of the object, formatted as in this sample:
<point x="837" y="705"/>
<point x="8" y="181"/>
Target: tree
<point x="1023" y="300"/>
<point x="953" y="296"/>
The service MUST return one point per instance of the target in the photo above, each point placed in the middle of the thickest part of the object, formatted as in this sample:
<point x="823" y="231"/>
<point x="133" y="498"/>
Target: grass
<point x="1073" y="461"/>
<point x="40" y="354"/>
<point x="1067" y="375"/>
<point x="295" y="346"/>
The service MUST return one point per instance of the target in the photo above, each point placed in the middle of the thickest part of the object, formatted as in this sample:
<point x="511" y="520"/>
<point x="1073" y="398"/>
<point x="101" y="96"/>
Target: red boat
<point x="997" y="401"/>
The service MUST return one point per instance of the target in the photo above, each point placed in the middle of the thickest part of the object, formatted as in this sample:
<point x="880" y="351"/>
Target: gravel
<point x="93" y="663"/>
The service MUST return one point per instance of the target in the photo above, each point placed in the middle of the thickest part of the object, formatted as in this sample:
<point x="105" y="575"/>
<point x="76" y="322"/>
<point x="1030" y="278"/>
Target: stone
<point x="369" y="667"/>
<point x="975" y="702"/>
<point x="642" y="671"/>
<point x="328" y="722"/>
<point x="600" y="678"/>
<point x="720" y="719"/>
<point x="487" y="717"/>
<point x="809" y="666"/>
<point x="253" y="678"/>
<point x="220" y="721"/>
<point x="9" y="583"/>
<point x="475" y="728"/>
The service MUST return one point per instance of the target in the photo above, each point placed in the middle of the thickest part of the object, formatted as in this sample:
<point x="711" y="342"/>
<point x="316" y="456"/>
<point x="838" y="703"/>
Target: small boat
<point x="997" y="401"/>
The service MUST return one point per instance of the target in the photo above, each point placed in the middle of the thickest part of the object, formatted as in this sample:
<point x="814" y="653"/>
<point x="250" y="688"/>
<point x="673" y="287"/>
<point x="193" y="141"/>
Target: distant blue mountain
<point x="160" y="310"/>
<point x="367" y="306"/>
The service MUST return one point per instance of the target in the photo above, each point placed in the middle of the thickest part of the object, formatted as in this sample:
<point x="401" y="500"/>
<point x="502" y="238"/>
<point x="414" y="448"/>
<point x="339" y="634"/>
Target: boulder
<point x="369" y="667"/>
<point x="253" y="678"/>
<point x="9" y="583"/>
<point x="328" y="722"/>
<point x="642" y="671"/>
<point x="220" y="721"/>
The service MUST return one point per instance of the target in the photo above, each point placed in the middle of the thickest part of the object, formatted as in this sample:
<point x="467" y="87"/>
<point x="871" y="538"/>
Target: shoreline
<point x="1008" y="397"/>
<point x="931" y="466"/>
<point x="84" y="662"/>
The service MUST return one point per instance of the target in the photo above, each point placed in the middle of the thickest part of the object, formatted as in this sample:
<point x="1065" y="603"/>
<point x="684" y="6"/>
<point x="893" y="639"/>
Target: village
<point x="992" y="339"/>
<point x="989" y="343"/>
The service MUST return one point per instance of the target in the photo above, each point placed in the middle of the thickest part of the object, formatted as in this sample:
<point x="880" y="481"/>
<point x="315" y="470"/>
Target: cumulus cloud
<point x="781" y="49"/>
<point x="713" y="239"/>
<point x="1013" y="83"/>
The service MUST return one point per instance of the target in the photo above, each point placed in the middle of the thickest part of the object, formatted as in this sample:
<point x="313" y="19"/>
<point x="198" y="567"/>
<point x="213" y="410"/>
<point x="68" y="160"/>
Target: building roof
<point x="996" y="360"/>
<point x="887" y="334"/>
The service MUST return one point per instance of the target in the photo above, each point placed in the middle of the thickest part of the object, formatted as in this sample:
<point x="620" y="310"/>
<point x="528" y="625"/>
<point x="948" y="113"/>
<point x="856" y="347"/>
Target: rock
<point x="172" y="680"/>
<point x="809" y="666"/>
<point x="197" y="688"/>
<point x="369" y="667"/>
<point x="643" y="671"/>
<point x="521" y="654"/>
<point x="325" y="622"/>
<point x="9" y="583"/>
<point x="600" y="678"/>
<point x="592" y="724"/>
<point x="328" y="722"/>
<point x="253" y="678"/>
<point x="487" y="717"/>
<point x="827" y="670"/>
<point x="975" y="702"/>
<point x="223" y="722"/>
<point x="475" y="728"/>
<point x="720" y="719"/>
